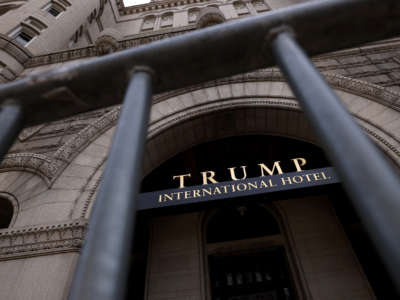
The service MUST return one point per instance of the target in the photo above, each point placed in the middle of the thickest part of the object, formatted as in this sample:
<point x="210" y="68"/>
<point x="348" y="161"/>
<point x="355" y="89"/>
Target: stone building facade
<point x="49" y="179"/>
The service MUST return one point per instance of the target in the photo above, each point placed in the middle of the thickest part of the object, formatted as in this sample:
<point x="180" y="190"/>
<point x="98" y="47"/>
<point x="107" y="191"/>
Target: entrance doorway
<point x="250" y="276"/>
<point x="246" y="255"/>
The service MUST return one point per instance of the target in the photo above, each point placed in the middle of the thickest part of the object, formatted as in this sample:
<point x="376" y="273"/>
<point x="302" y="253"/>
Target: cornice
<point x="92" y="51"/>
<point x="41" y="240"/>
<point x="148" y="37"/>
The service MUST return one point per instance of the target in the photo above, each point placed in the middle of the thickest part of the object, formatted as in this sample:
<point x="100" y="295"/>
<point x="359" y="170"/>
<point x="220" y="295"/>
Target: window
<point x="148" y="23"/>
<point x="193" y="14"/>
<point x="167" y="20"/>
<point x="259" y="5"/>
<point x="6" y="212"/>
<point x="24" y="38"/>
<point x="241" y="8"/>
<point x="23" y="35"/>
<point x="54" y="9"/>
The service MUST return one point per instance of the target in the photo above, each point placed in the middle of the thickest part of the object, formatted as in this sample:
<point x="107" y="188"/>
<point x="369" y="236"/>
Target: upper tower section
<point x="32" y="27"/>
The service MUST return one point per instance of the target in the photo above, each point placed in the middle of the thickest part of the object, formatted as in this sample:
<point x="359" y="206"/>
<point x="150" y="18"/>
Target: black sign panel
<point x="238" y="188"/>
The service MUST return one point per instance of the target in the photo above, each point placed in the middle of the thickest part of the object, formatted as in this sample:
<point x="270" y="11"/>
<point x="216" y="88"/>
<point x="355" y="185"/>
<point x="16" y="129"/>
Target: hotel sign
<point x="237" y="188"/>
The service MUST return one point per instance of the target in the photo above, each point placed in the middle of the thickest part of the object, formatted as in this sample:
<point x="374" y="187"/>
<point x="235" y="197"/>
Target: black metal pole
<point x="371" y="183"/>
<point x="102" y="269"/>
<point x="11" y="124"/>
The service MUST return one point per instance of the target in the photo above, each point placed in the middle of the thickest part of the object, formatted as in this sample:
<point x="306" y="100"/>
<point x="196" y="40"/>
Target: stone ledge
<point x="42" y="239"/>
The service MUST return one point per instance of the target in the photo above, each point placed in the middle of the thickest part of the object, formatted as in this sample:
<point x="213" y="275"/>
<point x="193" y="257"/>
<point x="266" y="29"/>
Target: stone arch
<point x="22" y="190"/>
<point x="256" y="103"/>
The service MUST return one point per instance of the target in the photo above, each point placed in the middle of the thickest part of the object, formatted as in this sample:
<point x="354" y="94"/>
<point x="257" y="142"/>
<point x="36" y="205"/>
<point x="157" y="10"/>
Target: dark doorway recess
<point x="255" y="276"/>
<point x="246" y="255"/>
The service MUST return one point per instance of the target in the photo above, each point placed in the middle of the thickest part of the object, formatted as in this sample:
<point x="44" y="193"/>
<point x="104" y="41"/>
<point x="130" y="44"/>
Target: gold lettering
<point x="181" y="179"/>
<point x="187" y="194"/>
<point x="196" y="193"/>
<point x="316" y="176"/>
<point x="233" y="188"/>
<point x="287" y="180"/>
<point x="160" y="199"/>
<point x="263" y="184"/>
<point x="271" y="172"/>
<point x="168" y="197"/>
<point x="208" y="176"/>
<point x="308" y="177"/>
<point x="217" y="191"/>
<point x="270" y="183"/>
<point x="225" y="187"/>
<point x="205" y="191"/>
<point x="323" y="175"/>
<point x="299" y="162"/>
<point x="252" y="185"/>
<point x="297" y="179"/>
<point x="241" y="185"/>
<point x="178" y="195"/>
<point x="233" y="175"/>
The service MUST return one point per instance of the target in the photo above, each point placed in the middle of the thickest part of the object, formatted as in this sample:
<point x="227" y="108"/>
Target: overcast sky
<point x="135" y="2"/>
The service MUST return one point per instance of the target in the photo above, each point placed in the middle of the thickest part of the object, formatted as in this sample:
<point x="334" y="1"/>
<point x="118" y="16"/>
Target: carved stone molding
<point x="71" y="148"/>
<point x="365" y="89"/>
<point x="209" y="16"/>
<point x="50" y="167"/>
<point x="41" y="240"/>
<point x="42" y="165"/>
<point x="91" y="51"/>
<point x="107" y="42"/>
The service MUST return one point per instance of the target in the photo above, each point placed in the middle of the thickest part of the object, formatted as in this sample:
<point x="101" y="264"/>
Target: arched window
<point x="167" y="20"/>
<point x="6" y="212"/>
<point x="241" y="8"/>
<point x="246" y="255"/>
<point x="148" y="23"/>
<point x="259" y="5"/>
<point x="193" y="13"/>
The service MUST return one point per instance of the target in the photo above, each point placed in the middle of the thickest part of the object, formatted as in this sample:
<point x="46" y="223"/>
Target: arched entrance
<point x="238" y="249"/>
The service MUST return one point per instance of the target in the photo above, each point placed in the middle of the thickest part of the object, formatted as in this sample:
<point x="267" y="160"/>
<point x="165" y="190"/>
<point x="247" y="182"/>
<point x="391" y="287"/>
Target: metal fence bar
<point x="371" y="183"/>
<point x="103" y="266"/>
<point x="11" y="124"/>
<point x="202" y="55"/>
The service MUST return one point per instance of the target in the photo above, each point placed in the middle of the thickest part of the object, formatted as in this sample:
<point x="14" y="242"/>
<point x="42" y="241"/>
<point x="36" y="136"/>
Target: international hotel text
<point x="210" y="190"/>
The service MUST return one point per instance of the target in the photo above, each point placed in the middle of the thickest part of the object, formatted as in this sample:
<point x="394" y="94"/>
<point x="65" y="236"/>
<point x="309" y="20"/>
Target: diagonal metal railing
<point x="211" y="53"/>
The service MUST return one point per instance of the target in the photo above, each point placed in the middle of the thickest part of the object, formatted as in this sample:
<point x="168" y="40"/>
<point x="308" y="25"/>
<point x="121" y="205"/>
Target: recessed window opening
<point x="54" y="9"/>
<point x="6" y="213"/>
<point x="23" y="36"/>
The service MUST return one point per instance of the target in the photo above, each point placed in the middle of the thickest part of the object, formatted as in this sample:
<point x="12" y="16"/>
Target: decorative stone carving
<point x="259" y="5"/>
<point x="107" y="42"/>
<point x="148" y="22"/>
<point x="193" y="13"/>
<point x="41" y="240"/>
<point x="29" y="132"/>
<point x="209" y="16"/>
<point x="167" y="19"/>
<point x="241" y="8"/>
